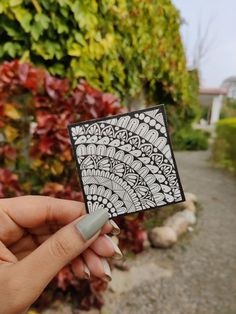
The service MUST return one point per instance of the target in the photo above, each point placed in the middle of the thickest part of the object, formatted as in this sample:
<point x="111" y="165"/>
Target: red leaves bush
<point x="9" y="184"/>
<point x="35" y="111"/>
<point x="35" y="152"/>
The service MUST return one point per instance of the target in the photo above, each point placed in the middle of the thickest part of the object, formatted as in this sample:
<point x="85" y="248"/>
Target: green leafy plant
<point x="122" y="46"/>
<point x="190" y="139"/>
<point x="224" y="148"/>
<point x="229" y="109"/>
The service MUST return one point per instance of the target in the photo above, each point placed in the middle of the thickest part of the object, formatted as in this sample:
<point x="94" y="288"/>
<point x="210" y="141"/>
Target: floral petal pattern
<point x="126" y="163"/>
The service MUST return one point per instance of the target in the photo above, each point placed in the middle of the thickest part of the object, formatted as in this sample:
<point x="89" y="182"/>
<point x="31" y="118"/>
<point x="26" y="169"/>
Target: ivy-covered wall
<point x="119" y="46"/>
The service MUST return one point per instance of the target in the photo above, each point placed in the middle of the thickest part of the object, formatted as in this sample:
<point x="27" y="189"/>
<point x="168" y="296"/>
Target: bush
<point x="121" y="46"/>
<point x="190" y="139"/>
<point x="36" y="158"/>
<point x="229" y="109"/>
<point x="224" y="147"/>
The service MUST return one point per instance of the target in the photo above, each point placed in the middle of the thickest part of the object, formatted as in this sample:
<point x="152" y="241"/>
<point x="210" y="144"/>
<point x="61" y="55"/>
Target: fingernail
<point x="90" y="224"/>
<point x="107" y="269"/>
<point x="118" y="254"/>
<point x="86" y="272"/>
<point x="116" y="229"/>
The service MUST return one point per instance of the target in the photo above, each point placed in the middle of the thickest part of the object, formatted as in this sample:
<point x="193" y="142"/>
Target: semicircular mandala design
<point x="126" y="163"/>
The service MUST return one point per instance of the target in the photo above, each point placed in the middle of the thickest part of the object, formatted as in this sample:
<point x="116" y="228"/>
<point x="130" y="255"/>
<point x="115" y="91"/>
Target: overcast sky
<point x="219" y="17"/>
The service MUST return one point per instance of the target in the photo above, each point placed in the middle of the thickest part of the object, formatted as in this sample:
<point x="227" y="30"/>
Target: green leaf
<point x="64" y="2"/>
<point x="24" y="17"/>
<point x="80" y="39"/>
<point x="74" y="50"/>
<point x="25" y="56"/>
<point x="1" y="51"/>
<point x="14" y="3"/>
<point x="11" y="28"/>
<point x="83" y="16"/>
<point x="57" y="69"/>
<point x="42" y="20"/>
<point x="47" y="49"/>
<point x="36" y="31"/>
<point x="60" y="24"/>
<point x="4" y="5"/>
<point x="41" y="23"/>
<point x="46" y="4"/>
<point x="12" y="49"/>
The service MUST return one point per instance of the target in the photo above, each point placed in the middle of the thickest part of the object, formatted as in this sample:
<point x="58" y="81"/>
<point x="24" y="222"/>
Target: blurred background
<point x="63" y="61"/>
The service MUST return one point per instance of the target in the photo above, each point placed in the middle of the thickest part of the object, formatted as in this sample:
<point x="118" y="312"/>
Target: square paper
<point x="126" y="163"/>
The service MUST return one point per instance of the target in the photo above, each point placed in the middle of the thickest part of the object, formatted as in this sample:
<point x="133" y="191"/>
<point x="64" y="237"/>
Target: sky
<point x="214" y="20"/>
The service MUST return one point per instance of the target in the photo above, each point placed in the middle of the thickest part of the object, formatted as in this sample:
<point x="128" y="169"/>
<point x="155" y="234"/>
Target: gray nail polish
<point x="90" y="224"/>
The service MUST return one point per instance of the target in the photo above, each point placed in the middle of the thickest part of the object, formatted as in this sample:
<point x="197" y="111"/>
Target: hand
<point x="39" y="236"/>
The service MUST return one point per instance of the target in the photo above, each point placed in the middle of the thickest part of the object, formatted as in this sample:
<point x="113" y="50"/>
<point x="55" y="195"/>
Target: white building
<point x="213" y="99"/>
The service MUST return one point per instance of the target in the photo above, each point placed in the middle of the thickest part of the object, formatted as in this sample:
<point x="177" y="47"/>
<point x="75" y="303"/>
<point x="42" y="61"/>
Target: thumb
<point x="39" y="267"/>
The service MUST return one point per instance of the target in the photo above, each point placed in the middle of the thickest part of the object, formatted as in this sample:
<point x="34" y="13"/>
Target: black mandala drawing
<point x="126" y="163"/>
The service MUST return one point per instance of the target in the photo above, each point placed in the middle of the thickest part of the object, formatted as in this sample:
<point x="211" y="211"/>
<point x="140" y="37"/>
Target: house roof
<point x="213" y="91"/>
<point x="229" y="81"/>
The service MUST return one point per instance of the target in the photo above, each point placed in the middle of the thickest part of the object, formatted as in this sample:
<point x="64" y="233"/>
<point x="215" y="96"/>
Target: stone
<point x="190" y="197"/>
<point x="162" y="237"/>
<point x="146" y="244"/>
<point x="91" y="311"/>
<point x="189" y="216"/>
<point x="178" y="223"/>
<point x="190" y="229"/>
<point x="191" y="207"/>
<point x="187" y="204"/>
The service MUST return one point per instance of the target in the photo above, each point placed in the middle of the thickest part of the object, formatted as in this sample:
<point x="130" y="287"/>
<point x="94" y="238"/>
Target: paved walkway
<point x="197" y="276"/>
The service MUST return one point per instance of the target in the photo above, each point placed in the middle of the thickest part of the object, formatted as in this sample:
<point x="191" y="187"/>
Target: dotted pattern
<point x="126" y="164"/>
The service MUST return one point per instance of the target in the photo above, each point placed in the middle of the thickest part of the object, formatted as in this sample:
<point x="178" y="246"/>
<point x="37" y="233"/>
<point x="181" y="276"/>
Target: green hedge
<point x="229" y="109"/>
<point x="190" y="139"/>
<point x="224" y="148"/>
<point x="122" y="46"/>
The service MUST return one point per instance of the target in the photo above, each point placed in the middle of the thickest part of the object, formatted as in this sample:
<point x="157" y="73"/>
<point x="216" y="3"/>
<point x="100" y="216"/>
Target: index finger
<point x="34" y="211"/>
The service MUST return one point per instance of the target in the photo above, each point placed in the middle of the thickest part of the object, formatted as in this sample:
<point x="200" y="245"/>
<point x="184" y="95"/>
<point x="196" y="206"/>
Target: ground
<point x="198" y="275"/>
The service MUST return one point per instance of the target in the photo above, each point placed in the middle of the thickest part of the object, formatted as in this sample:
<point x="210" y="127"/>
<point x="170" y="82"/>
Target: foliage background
<point x="131" y="48"/>
<point x="126" y="47"/>
<point x="224" y="149"/>
<point x="229" y="108"/>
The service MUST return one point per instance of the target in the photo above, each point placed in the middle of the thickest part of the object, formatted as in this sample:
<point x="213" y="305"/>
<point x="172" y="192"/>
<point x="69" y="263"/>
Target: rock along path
<point x="197" y="276"/>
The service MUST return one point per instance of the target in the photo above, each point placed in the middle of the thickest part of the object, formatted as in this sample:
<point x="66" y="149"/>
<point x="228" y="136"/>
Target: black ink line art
<point x="126" y="163"/>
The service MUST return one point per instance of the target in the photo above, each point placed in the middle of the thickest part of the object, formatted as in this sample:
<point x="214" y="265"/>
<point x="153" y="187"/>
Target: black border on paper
<point x="132" y="113"/>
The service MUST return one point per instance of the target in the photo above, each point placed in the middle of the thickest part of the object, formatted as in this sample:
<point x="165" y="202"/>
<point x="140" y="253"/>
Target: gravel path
<point x="197" y="276"/>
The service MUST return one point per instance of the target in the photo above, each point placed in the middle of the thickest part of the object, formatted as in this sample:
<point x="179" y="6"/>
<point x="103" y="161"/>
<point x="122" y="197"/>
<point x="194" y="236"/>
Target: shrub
<point x="121" y="46"/>
<point x="224" y="148"/>
<point x="35" y="152"/>
<point x="190" y="139"/>
<point x="229" y="109"/>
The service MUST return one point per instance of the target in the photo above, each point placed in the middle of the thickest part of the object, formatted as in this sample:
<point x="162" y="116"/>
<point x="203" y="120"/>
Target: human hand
<point x="39" y="236"/>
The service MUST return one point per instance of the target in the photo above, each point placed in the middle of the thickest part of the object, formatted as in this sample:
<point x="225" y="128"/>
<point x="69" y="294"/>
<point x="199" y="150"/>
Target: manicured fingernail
<point x="90" y="224"/>
<point x="116" y="229"/>
<point x="118" y="254"/>
<point x="107" y="269"/>
<point x="86" y="272"/>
